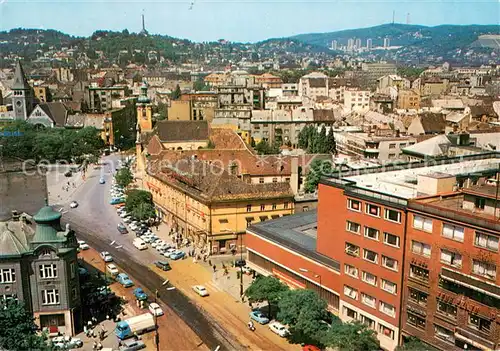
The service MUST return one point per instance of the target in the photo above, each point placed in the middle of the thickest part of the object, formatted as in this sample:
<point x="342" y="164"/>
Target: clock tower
<point x="144" y="110"/>
<point x="22" y="98"/>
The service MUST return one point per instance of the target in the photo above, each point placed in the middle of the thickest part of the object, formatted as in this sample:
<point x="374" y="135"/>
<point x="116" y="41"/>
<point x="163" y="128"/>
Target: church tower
<point x="144" y="110"/>
<point x="22" y="98"/>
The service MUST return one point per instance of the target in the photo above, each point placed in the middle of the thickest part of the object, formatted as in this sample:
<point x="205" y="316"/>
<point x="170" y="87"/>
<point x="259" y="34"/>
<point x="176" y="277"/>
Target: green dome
<point x="47" y="214"/>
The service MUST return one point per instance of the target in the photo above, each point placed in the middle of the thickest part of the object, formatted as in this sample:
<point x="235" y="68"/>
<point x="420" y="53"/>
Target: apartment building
<point x="408" y="99"/>
<point x="356" y="100"/>
<point x="451" y="293"/>
<point x="38" y="265"/>
<point x="359" y="260"/>
<point x="100" y="98"/>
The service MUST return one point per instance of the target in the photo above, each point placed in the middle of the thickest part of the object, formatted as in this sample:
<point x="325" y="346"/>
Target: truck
<point x="135" y="325"/>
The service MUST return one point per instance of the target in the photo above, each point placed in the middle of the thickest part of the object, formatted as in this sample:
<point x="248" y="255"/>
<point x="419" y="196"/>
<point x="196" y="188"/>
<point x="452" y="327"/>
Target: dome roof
<point x="47" y="214"/>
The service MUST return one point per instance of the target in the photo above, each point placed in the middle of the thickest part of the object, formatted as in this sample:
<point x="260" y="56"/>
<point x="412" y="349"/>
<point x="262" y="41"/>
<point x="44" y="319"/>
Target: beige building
<point x="409" y="99"/>
<point x="182" y="135"/>
<point x="179" y="110"/>
<point x="357" y="100"/>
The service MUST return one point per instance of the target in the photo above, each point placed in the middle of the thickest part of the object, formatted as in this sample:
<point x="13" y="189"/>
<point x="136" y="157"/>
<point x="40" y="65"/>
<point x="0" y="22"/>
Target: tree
<point x="124" y="177"/>
<point x="252" y="142"/>
<point x="320" y="143"/>
<point x="176" y="94"/>
<point x="331" y="143"/>
<point x="264" y="148"/>
<point x="268" y="289"/>
<point x="18" y="330"/>
<point x="319" y="168"/>
<point x="415" y="344"/>
<point x="304" y="311"/>
<point x="140" y="204"/>
<point x="200" y="85"/>
<point x="352" y="336"/>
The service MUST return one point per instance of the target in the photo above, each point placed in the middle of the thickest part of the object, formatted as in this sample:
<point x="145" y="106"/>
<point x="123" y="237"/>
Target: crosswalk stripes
<point x="210" y="285"/>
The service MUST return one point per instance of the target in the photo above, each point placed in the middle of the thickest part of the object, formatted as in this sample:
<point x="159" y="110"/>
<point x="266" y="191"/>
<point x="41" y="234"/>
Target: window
<point x="354" y="205"/>
<point x="451" y="258"/>
<point x="223" y="220"/>
<point x="388" y="286"/>
<point x="274" y="206"/>
<point x="261" y="180"/>
<point x="422" y="223"/>
<point x="447" y="309"/>
<point x="485" y="269"/>
<point x="479" y="323"/>
<point x="444" y="334"/>
<point x="392" y="146"/>
<point x="370" y="323"/>
<point x="353" y="227"/>
<point x="453" y="232"/>
<point x="388" y="309"/>
<point x="417" y="296"/>
<point x="486" y="241"/>
<point x="370" y="256"/>
<point x="371" y="233"/>
<point x="262" y="207"/>
<point x="351" y="270"/>
<point x="72" y="269"/>
<point x="285" y="205"/>
<point x="249" y="208"/>
<point x="392" y="215"/>
<point x="419" y="273"/>
<point x="415" y="320"/>
<point x="420" y="248"/>
<point x="8" y="275"/>
<point x="50" y="297"/>
<point x="350" y="313"/>
<point x="391" y="239"/>
<point x="390" y="263"/>
<point x="275" y="180"/>
<point x="382" y="329"/>
<point x="480" y="202"/>
<point x="373" y="210"/>
<point x="351" y="249"/>
<point x="368" y="300"/>
<point x="350" y="292"/>
<point x="74" y="293"/>
<point x="48" y="271"/>
<point x="369" y="278"/>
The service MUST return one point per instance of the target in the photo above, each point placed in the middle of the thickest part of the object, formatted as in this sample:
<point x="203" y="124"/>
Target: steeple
<point x="20" y="81"/>
<point x="143" y="96"/>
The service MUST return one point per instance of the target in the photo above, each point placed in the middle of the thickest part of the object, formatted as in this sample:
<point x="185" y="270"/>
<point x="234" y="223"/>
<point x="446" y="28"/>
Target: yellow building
<point x="41" y="94"/>
<point x="409" y="99"/>
<point x="211" y="207"/>
<point x="144" y="110"/>
<point x="179" y="110"/>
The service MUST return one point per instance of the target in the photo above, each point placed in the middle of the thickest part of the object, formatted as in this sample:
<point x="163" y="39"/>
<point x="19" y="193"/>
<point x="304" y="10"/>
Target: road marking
<point x="214" y="286"/>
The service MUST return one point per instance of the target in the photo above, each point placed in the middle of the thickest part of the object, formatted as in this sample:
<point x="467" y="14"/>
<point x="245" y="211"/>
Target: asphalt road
<point x="95" y="221"/>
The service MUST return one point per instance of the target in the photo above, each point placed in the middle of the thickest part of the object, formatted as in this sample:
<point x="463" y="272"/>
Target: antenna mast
<point x="393" y="15"/>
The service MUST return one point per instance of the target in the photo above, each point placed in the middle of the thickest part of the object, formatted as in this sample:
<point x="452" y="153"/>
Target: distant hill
<point x="445" y="37"/>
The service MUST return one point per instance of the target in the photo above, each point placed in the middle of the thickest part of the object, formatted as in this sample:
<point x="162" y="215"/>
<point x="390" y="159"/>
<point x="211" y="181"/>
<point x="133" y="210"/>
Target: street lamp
<point x="315" y="275"/>
<point x="157" y="333"/>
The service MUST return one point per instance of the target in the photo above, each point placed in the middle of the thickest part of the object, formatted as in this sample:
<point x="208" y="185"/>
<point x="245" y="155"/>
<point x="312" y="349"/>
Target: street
<point x="190" y="318"/>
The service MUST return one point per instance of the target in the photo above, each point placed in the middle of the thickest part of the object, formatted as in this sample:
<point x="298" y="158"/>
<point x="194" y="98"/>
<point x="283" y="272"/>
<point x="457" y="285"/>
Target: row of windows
<point x="374" y="210"/>
<point x="370" y="301"/>
<point x="370" y="278"/>
<point x="370" y="323"/>
<point x="372" y="256"/>
<point x="372" y="233"/>
<point x="263" y="207"/>
<point x="456" y="233"/>
<point x="46" y="271"/>
<point x="485" y="269"/>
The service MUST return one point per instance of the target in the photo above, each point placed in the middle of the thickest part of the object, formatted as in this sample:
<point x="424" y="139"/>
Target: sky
<point x="238" y="20"/>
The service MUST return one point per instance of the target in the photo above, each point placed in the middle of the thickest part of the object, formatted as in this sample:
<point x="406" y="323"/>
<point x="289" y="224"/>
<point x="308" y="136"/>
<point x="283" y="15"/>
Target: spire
<point x="20" y="81"/>
<point x="143" y="30"/>
<point x="143" y="96"/>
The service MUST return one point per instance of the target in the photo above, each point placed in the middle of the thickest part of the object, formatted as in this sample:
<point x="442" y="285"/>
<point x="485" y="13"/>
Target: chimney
<point x="15" y="216"/>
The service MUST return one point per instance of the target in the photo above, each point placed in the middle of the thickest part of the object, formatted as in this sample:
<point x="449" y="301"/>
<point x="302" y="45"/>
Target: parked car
<point x="83" y="272"/>
<point x="140" y="294"/>
<point x="177" y="255"/>
<point x="101" y="180"/>
<point x="66" y="342"/>
<point x="200" y="290"/>
<point x="155" y="309"/>
<point x="169" y="251"/>
<point x="112" y="269"/>
<point x="116" y="201"/>
<point x="132" y="345"/>
<point x="156" y="243"/>
<point x="163" y="265"/>
<point x="279" y="329"/>
<point x="121" y="228"/>
<point x="124" y="280"/>
<point x="106" y="256"/>
<point x="259" y="317"/>
<point x="127" y="219"/>
<point x="133" y="226"/>
<point x="240" y="263"/>
<point x="82" y="245"/>
<point x="123" y="214"/>
<point x="73" y="204"/>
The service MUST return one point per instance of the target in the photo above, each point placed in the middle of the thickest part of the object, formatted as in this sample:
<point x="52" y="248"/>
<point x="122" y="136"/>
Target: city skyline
<point x="248" y="21"/>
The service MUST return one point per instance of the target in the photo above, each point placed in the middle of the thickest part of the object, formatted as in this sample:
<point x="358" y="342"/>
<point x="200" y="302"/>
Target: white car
<point x="66" y="342"/>
<point x="169" y="251"/>
<point x="278" y="328"/>
<point x="82" y="245"/>
<point x="106" y="256"/>
<point x="73" y="204"/>
<point x="200" y="290"/>
<point x="112" y="269"/>
<point x="157" y="243"/>
<point x="123" y="214"/>
<point x="133" y="226"/>
<point x="155" y="309"/>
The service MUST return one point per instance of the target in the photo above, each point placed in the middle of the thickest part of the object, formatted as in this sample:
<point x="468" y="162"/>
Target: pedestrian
<point x="94" y="346"/>
<point x="215" y="268"/>
<point x="204" y="258"/>
<point x="210" y="263"/>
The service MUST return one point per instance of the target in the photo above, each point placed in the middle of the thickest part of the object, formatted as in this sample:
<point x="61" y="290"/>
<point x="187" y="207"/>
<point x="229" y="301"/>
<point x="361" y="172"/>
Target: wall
<point x="186" y="145"/>
<point x="179" y="111"/>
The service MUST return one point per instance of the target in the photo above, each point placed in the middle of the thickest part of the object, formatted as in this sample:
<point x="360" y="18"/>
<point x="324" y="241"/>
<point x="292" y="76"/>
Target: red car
<point x="310" y="348"/>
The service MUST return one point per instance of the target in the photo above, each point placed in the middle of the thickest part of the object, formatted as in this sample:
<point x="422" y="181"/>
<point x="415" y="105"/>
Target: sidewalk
<point x="61" y="188"/>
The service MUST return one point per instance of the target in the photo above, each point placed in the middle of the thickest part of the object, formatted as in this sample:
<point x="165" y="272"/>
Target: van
<point x="140" y="244"/>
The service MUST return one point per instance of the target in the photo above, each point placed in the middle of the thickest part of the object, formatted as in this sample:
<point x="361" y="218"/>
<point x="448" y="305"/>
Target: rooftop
<point x="297" y="232"/>
<point x="402" y="183"/>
